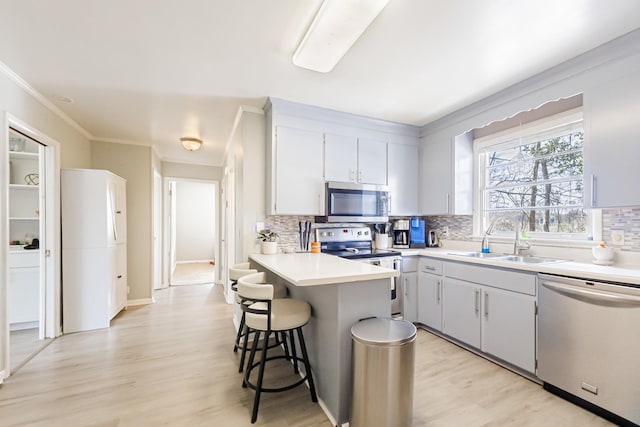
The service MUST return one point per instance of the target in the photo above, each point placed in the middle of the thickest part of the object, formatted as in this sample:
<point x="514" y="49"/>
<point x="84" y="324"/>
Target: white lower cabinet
<point x="493" y="310"/>
<point x="410" y="288"/>
<point x="461" y="313"/>
<point x="508" y="327"/>
<point x="430" y="293"/>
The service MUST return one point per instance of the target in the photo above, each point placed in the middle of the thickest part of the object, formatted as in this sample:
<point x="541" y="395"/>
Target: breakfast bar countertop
<point x="310" y="269"/>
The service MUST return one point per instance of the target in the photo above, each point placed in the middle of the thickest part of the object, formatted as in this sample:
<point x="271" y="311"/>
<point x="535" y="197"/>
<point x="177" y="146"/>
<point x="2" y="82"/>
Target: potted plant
<point x="269" y="241"/>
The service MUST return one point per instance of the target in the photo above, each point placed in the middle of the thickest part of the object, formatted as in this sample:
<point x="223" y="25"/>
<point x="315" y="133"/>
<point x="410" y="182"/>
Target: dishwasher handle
<point x="591" y="295"/>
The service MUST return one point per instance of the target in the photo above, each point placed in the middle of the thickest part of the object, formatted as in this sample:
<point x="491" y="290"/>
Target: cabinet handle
<point x="119" y="276"/>
<point x="118" y="212"/>
<point x="486" y="304"/>
<point x="352" y="175"/>
<point x="477" y="301"/>
<point x="448" y="209"/>
<point x="360" y="176"/>
<point x="428" y="267"/>
<point x="594" y="181"/>
<point x="389" y="204"/>
<point x="439" y="290"/>
<point x="405" y="286"/>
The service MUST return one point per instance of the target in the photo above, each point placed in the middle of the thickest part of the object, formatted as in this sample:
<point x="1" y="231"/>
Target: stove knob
<point x="366" y="233"/>
<point x="359" y="233"/>
<point x="323" y="234"/>
<point x="331" y="233"/>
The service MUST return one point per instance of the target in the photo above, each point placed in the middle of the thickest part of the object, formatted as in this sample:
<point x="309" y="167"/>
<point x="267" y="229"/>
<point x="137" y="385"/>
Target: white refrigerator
<point x="94" y="248"/>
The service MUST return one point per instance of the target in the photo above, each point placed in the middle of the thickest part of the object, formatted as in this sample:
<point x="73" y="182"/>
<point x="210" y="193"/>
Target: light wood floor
<point x="193" y="273"/>
<point x="171" y="364"/>
<point x="24" y="344"/>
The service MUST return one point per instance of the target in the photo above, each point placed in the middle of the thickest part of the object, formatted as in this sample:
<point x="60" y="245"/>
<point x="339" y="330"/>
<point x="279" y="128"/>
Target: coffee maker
<point x="401" y="233"/>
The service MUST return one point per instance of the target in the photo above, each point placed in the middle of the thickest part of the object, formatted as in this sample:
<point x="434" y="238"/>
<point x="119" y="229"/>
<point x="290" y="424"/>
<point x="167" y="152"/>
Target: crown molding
<point x="22" y="83"/>
<point x="122" y="141"/>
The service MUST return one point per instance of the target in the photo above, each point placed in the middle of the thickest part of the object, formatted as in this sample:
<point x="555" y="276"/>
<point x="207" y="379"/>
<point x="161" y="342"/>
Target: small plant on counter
<point x="268" y="236"/>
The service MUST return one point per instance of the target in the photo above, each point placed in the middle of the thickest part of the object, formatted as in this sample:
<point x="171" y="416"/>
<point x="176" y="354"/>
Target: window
<point x="532" y="175"/>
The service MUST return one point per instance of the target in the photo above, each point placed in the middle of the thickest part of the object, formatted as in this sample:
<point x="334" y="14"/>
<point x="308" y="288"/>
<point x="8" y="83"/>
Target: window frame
<point x="511" y="138"/>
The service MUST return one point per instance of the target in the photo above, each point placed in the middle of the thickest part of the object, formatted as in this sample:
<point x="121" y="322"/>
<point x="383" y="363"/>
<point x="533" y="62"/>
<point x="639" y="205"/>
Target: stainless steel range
<point x="356" y="243"/>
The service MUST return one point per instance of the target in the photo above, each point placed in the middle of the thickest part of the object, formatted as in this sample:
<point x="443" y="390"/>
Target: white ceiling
<point x="151" y="71"/>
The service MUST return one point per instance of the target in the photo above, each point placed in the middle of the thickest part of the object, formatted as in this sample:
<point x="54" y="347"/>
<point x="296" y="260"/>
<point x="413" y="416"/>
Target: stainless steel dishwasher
<point x="589" y="344"/>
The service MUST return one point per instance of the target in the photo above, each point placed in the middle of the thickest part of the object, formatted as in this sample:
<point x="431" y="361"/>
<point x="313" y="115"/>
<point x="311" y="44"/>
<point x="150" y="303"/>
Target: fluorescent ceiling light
<point x="336" y="27"/>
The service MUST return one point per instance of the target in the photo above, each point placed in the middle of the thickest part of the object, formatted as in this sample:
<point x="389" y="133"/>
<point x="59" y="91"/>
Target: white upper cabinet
<point x="372" y="161"/>
<point x="403" y="179"/>
<point x="341" y="157"/>
<point x="447" y="175"/>
<point x="354" y="159"/>
<point x="299" y="187"/>
<point x="612" y="143"/>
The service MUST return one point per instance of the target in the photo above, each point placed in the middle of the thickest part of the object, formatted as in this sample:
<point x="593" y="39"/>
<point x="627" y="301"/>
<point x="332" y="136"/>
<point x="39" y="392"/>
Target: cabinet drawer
<point x="24" y="259"/>
<point x="409" y="264"/>
<point x="430" y="265"/>
<point x="524" y="283"/>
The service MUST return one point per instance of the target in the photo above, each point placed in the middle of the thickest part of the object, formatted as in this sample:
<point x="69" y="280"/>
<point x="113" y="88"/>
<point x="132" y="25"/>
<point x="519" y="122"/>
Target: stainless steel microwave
<point x="350" y="202"/>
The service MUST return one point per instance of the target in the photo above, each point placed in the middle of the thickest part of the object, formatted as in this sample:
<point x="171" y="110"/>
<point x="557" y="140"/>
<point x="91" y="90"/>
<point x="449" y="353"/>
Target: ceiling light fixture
<point x="336" y="27"/>
<point x="191" y="144"/>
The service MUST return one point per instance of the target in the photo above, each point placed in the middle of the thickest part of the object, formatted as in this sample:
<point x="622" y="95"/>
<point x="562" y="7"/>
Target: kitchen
<point x="438" y="204"/>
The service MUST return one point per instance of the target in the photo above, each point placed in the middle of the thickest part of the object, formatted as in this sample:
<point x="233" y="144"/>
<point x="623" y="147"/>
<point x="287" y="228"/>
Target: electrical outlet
<point x="617" y="237"/>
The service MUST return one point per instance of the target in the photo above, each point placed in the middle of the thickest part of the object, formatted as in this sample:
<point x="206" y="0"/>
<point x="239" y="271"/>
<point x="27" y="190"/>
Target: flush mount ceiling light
<point x="191" y="144"/>
<point x="336" y="27"/>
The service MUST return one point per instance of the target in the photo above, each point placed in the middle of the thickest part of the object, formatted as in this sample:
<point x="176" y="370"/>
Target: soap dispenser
<point x="485" y="244"/>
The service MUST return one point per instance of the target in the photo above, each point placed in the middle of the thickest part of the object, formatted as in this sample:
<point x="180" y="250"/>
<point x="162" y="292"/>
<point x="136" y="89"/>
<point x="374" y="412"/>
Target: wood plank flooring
<point x="171" y="364"/>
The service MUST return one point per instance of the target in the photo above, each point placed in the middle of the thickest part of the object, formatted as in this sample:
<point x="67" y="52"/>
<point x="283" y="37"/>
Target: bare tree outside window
<point x="538" y="182"/>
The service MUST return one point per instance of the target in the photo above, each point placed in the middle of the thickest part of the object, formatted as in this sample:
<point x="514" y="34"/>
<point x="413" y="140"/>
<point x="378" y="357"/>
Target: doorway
<point x="32" y="301"/>
<point x="192" y="231"/>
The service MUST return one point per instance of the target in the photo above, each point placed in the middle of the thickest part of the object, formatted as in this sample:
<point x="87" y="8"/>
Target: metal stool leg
<point x="263" y="359"/>
<point x="239" y="334"/>
<point x="307" y="366"/>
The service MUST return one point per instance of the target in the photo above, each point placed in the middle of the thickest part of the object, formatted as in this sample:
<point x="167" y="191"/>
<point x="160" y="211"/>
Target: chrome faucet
<point x="519" y="245"/>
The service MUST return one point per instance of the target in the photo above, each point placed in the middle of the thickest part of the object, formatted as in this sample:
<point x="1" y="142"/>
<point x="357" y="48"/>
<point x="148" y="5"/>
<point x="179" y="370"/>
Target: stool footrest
<point x="275" y="390"/>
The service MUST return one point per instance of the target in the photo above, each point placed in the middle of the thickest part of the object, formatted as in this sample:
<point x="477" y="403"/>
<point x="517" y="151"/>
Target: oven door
<point x="348" y="202"/>
<point x="396" y="284"/>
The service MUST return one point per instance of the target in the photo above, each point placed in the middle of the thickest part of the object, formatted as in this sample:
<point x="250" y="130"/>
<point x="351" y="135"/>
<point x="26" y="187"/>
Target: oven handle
<point x="590" y="295"/>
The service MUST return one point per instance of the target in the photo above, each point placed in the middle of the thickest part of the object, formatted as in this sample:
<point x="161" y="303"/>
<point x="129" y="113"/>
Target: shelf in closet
<point x="23" y="187"/>
<point x="24" y="218"/>
<point x="23" y="155"/>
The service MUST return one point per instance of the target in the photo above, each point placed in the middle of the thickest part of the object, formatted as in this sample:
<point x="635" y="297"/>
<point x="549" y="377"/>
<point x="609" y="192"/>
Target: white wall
<point x="195" y="221"/>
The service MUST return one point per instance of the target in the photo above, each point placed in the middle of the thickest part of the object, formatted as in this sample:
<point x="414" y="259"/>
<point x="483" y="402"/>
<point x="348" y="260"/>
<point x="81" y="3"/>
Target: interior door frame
<point x="169" y="223"/>
<point x="50" y="294"/>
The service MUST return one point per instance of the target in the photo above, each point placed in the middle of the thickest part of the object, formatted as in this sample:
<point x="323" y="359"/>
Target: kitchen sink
<point x="507" y="257"/>
<point x="530" y="259"/>
<point x="479" y="254"/>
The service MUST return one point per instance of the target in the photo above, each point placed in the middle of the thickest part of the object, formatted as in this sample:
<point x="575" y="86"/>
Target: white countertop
<point x="308" y="269"/>
<point x="615" y="273"/>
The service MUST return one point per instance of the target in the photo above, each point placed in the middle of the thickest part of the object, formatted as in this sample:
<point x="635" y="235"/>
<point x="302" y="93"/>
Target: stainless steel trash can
<point x="383" y="367"/>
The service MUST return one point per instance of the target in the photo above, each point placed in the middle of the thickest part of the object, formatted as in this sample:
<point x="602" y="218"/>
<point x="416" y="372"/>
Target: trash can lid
<point x="383" y="331"/>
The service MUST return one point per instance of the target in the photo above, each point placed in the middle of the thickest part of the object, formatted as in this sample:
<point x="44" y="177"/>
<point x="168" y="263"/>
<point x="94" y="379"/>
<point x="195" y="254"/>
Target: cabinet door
<point x="461" y="311"/>
<point x="403" y="179"/>
<point x="299" y="182"/>
<point x="437" y="173"/>
<point x="430" y="300"/>
<point x="121" y="276"/>
<point x="508" y="327"/>
<point x="340" y="157"/>
<point x="611" y="149"/>
<point x="410" y="301"/>
<point x="24" y="295"/>
<point x="372" y="161"/>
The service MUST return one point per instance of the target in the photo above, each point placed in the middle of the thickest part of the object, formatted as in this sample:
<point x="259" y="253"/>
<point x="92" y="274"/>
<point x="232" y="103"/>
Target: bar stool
<point x="268" y="314"/>
<point x="280" y="291"/>
<point x="236" y="272"/>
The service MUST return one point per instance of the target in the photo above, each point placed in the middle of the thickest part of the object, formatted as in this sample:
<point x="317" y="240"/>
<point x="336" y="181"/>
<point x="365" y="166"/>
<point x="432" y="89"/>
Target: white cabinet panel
<point x="299" y="172"/>
<point x="94" y="255"/>
<point x="447" y="175"/>
<point x="410" y="300"/>
<point x="341" y="157"/>
<point x="430" y="300"/>
<point x="461" y="311"/>
<point x="403" y="179"/>
<point x="611" y="149"/>
<point x="508" y="327"/>
<point x="24" y="295"/>
<point x="372" y="161"/>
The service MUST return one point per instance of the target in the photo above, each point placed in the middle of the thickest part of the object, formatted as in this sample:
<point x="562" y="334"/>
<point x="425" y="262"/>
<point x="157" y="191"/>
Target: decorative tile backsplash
<point x="460" y="227"/>
<point x="287" y="228"/>
<point x="626" y="220"/>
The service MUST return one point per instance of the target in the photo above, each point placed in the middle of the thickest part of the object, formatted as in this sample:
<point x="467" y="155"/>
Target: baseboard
<point x="140" y="301"/>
